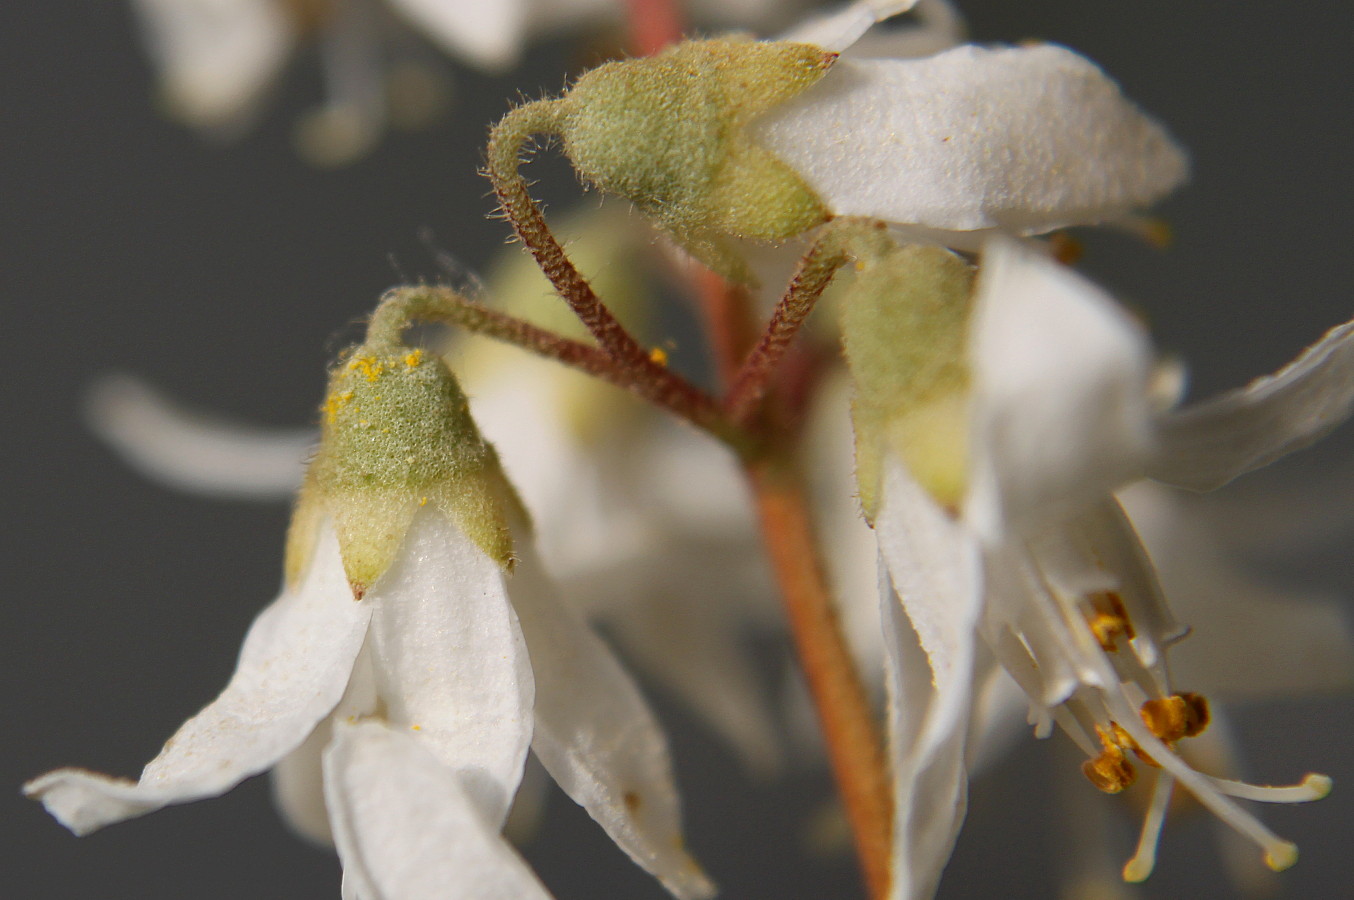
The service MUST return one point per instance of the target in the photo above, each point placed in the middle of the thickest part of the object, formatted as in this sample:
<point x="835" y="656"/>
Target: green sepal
<point x="668" y="132"/>
<point x="904" y="321"/>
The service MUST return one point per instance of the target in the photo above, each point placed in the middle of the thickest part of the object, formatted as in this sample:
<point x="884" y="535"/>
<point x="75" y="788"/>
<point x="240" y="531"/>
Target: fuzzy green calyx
<point x="396" y="435"/>
<point x="904" y="325"/>
<point x="668" y="133"/>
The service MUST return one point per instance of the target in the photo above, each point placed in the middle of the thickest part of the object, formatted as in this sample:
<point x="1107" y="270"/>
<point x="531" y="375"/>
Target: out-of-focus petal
<point x="938" y="27"/>
<point x="293" y="669"/>
<point x="451" y="665"/>
<point x="406" y="827"/>
<point x="1246" y="634"/>
<point x="598" y="739"/>
<point x="487" y="35"/>
<point x="934" y="577"/>
<point x="194" y="452"/>
<point x="216" y="57"/>
<point x="298" y="787"/>
<point x="841" y="28"/>
<point x="1061" y="412"/>
<point x="1207" y="445"/>
<point x="1018" y="139"/>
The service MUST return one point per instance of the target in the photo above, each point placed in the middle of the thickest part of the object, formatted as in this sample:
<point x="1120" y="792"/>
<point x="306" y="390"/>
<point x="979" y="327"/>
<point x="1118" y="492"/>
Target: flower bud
<point x="396" y="436"/>
<point x="668" y="133"/>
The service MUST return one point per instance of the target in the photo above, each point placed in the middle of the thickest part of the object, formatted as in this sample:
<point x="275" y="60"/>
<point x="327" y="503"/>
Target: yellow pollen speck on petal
<point x="334" y="403"/>
<point x="1108" y="620"/>
<point x="413" y="358"/>
<point x="1281" y="857"/>
<point x="1177" y="716"/>
<point x="659" y="356"/>
<point x="415" y="727"/>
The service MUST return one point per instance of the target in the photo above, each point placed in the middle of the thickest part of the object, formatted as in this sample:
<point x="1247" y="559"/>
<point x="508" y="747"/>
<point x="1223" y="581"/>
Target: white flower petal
<point x="406" y="827"/>
<point x="292" y="671"/>
<point x="1207" y="445"/>
<point x="1022" y="139"/>
<point x="934" y="576"/>
<point x="598" y="739"/>
<point x="1246" y="634"/>
<point x="298" y="787"/>
<point x="215" y="57"/>
<point x="840" y="29"/>
<point x="487" y="35"/>
<point x="450" y="662"/>
<point x="1060" y="406"/>
<point x="939" y="27"/>
<point x="194" y="452"/>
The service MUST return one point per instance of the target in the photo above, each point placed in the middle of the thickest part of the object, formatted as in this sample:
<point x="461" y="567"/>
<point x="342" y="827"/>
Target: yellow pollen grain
<point x="413" y="358"/>
<point x="370" y="367"/>
<point x="334" y="403"/>
<point x="659" y="356"/>
<point x="422" y="501"/>
<point x="415" y="727"/>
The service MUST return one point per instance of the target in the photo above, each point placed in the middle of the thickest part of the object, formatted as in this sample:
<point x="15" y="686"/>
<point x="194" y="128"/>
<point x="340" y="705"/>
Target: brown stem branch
<point x="832" y="249"/>
<point x="401" y="306"/>
<point x="849" y="728"/>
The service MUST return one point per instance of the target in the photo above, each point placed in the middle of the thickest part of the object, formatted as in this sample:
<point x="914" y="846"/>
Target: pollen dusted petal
<point x="407" y="828"/>
<point x="598" y="739"/>
<point x="1019" y="139"/>
<point x="293" y="669"/>
<point x="450" y="661"/>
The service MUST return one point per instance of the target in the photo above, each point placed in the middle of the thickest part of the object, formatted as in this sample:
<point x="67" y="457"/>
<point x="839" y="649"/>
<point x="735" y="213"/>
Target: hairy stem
<point x="402" y="306"/>
<point x="837" y="242"/>
<point x="852" y="736"/>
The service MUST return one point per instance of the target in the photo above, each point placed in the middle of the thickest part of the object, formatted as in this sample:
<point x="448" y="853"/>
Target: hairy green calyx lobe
<point x="396" y="435"/>
<point x="904" y="324"/>
<point x="668" y="132"/>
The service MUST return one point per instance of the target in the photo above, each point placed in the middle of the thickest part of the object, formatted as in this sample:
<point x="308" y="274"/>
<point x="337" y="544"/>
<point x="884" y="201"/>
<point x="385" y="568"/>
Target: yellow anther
<point x="659" y="356"/>
<point x="1111" y="772"/>
<point x="1177" y="716"/>
<point x="1109" y="620"/>
<point x="1125" y="740"/>
<point x="413" y="358"/>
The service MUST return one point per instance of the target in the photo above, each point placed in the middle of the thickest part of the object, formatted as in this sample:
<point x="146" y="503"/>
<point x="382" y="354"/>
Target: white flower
<point x="423" y="695"/>
<point x="1057" y="410"/>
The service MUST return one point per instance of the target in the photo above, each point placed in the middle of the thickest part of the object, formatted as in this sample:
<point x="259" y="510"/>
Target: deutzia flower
<point x="992" y="425"/>
<point x="728" y="139"/>
<point x="403" y="659"/>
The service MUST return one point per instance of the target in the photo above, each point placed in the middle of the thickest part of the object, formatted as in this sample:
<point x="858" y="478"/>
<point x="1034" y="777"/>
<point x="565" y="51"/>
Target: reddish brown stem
<point x="654" y="24"/>
<point x="816" y="269"/>
<point x="728" y="321"/>
<point x="849" y="729"/>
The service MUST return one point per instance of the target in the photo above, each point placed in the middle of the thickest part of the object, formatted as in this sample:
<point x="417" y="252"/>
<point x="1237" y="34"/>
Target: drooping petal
<point x="598" y="739"/>
<point x="1246" y="634"/>
<point x="450" y="662"/>
<point x="407" y="828"/>
<point x="293" y="669"/>
<point x="975" y="139"/>
<point x="488" y="36"/>
<point x="934" y="577"/>
<point x="215" y="57"/>
<point x="1061" y="411"/>
<point x="194" y="452"/>
<point x="841" y="28"/>
<point x="298" y="787"/>
<point x="1207" y="445"/>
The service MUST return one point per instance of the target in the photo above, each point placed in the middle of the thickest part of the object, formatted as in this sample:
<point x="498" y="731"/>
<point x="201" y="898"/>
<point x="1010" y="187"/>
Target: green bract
<point x="904" y="325"/>
<point x="396" y="435"/>
<point x="668" y="133"/>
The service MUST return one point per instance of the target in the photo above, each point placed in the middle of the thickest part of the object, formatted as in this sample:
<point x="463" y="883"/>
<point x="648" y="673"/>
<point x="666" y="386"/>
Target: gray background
<point x="231" y="273"/>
